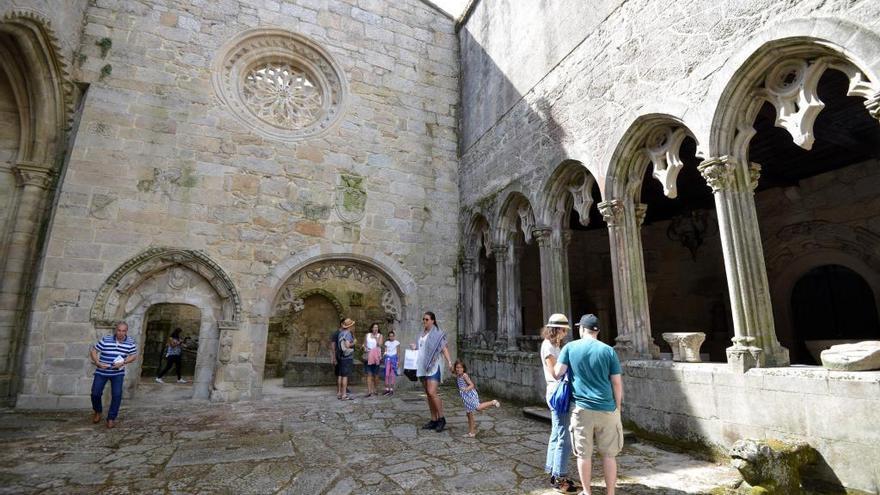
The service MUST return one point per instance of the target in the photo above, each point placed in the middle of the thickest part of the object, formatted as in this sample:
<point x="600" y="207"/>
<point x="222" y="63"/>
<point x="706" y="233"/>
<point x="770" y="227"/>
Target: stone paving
<point x="304" y="441"/>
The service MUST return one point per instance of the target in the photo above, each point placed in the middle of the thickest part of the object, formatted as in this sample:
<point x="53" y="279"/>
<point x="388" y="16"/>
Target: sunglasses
<point x="426" y="319"/>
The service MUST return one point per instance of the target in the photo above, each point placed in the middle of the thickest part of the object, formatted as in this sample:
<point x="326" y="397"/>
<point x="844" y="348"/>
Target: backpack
<point x="560" y="400"/>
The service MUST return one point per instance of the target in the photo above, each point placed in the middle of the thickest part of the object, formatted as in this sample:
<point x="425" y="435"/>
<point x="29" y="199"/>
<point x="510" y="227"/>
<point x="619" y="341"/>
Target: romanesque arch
<point x="38" y="100"/>
<point x="367" y="284"/>
<point x="478" y="286"/>
<point x="177" y="276"/>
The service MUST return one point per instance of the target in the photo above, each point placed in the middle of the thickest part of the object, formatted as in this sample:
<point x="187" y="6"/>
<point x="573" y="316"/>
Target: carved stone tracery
<point x="127" y="277"/>
<point x="291" y="294"/>
<point x="792" y="88"/>
<point x="280" y="84"/>
<point x="663" y="148"/>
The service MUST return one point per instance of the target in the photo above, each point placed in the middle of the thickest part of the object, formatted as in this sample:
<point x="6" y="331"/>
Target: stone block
<point x="62" y="384"/>
<point x="862" y="356"/>
<point x="36" y="401"/>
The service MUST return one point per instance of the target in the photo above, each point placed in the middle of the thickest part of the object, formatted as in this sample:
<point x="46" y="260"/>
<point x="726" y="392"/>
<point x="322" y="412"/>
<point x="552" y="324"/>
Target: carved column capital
<point x="719" y="173"/>
<point x="467" y="265"/>
<point x="612" y="211"/>
<point x="873" y="105"/>
<point x="641" y="211"/>
<point x="500" y="253"/>
<point x="754" y="175"/>
<point x="31" y="174"/>
<point x="544" y="236"/>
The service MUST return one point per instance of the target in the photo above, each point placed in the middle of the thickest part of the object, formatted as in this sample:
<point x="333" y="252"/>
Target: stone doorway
<point x="160" y="321"/>
<point x="305" y="334"/>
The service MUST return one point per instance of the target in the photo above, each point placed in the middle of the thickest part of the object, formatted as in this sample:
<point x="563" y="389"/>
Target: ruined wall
<point x="162" y="160"/>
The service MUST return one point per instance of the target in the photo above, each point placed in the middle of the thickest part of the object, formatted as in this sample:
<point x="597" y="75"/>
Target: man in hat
<point x="598" y="393"/>
<point x="345" y="358"/>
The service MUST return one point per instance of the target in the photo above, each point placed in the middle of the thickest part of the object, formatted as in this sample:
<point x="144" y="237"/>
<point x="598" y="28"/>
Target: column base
<point x="742" y="358"/>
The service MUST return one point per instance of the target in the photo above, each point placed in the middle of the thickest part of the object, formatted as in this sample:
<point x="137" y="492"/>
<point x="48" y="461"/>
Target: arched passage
<point x="797" y="116"/>
<point x="36" y="99"/>
<point x="173" y="276"/>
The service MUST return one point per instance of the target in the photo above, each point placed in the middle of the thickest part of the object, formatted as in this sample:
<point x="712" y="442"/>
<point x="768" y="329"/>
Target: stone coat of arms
<point x="351" y="198"/>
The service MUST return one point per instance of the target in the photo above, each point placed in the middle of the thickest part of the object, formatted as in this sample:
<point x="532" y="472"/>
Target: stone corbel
<point x="641" y="210"/>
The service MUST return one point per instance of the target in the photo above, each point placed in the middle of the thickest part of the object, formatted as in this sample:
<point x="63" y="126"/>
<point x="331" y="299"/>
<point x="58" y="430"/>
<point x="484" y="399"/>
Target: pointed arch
<point x="785" y="73"/>
<point x="515" y="206"/>
<point x="652" y="139"/>
<point x="570" y="186"/>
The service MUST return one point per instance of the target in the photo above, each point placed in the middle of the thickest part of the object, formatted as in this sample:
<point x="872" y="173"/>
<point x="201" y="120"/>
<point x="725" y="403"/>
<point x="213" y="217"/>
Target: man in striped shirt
<point x="110" y="355"/>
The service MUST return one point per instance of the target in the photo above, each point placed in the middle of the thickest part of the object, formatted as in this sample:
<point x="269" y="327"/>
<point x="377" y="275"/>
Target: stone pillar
<point x="33" y="182"/>
<point x="555" y="292"/>
<point x="514" y="296"/>
<point x="754" y="341"/>
<point x="501" y="267"/>
<point x="467" y="298"/>
<point x="478" y="305"/>
<point x="624" y="221"/>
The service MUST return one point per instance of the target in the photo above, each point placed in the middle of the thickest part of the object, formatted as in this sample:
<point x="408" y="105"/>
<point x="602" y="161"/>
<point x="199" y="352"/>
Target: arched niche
<point x="171" y="276"/>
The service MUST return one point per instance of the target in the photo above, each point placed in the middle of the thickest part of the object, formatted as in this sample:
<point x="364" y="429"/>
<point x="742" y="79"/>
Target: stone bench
<point x="685" y="345"/>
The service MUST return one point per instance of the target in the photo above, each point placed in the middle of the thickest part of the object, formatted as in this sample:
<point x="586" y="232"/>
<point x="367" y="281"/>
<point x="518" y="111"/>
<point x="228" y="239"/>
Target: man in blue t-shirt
<point x="598" y="392"/>
<point x="110" y="355"/>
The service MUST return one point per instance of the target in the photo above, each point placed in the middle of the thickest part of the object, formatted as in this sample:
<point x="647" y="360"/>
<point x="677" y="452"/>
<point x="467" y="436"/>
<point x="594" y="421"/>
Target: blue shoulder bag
<point x="560" y="401"/>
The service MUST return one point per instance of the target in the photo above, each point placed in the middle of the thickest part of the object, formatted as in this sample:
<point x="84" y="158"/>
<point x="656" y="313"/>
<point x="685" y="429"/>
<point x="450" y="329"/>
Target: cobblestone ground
<point x="304" y="441"/>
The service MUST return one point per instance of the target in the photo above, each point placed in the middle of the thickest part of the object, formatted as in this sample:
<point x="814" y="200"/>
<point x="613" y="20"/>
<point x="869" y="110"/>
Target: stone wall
<point x="66" y="23"/>
<point x="645" y="57"/>
<point x="161" y="161"/>
<point x="707" y="403"/>
<point x="509" y="374"/>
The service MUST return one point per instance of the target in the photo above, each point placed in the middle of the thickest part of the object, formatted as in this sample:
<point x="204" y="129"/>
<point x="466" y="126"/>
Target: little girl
<point x="469" y="396"/>
<point x="390" y="363"/>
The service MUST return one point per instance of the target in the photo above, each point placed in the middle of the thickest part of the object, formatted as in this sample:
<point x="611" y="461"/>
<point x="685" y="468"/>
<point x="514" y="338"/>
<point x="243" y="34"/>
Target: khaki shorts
<point x="605" y="425"/>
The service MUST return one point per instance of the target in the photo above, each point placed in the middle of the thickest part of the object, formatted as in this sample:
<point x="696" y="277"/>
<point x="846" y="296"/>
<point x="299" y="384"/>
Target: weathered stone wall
<point x="645" y="57"/>
<point x="159" y="161"/>
<point x="507" y="46"/>
<point x="514" y="375"/>
<point x="832" y="411"/>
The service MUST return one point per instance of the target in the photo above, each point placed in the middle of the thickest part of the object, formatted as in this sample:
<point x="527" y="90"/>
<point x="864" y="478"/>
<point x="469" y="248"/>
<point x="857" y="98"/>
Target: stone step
<point x="543" y="414"/>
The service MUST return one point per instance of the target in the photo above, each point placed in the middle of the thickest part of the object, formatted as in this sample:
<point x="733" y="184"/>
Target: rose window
<point x="282" y="95"/>
<point x="280" y="84"/>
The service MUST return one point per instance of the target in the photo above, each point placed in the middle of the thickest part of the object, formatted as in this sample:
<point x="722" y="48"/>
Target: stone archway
<point x="37" y="99"/>
<point x="176" y="276"/>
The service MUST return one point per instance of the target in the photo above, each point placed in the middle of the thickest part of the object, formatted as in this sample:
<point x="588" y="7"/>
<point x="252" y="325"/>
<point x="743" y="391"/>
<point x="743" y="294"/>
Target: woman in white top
<point x="373" y="348"/>
<point x="559" y="445"/>
<point x="391" y="346"/>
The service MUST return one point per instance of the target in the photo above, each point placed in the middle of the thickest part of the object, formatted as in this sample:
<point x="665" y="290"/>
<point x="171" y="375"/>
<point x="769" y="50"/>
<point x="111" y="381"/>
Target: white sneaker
<point x="159" y="380"/>
<point x="182" y="381"/>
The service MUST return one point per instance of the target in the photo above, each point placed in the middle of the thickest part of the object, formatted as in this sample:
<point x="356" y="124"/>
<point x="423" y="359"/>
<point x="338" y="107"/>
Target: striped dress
<point x="109" y="349"/>
<point x="470" y="398"/>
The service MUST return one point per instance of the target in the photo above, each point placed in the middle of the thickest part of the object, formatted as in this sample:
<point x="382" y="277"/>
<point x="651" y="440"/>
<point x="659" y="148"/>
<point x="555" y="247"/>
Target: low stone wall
<point x="317" y="371"/>
<point x="835" y="412"/>
<point x="508" y="374"/>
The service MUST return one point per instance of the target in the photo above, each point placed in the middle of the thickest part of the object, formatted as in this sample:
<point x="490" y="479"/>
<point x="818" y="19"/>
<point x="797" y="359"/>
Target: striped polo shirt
<point x="109" y="348"/>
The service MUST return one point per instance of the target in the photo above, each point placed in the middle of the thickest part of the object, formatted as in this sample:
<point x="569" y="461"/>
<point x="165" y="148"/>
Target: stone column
<point x="514" y="296"/>
<point x="624" y="221"/>
<point x="754" y="341"/>
<point x="33" y="181"/>
<point x="555" y="292"/>
<point x="467" y="298"/>
<point x="477" y="313"/>
<point x="501" y="267"/>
